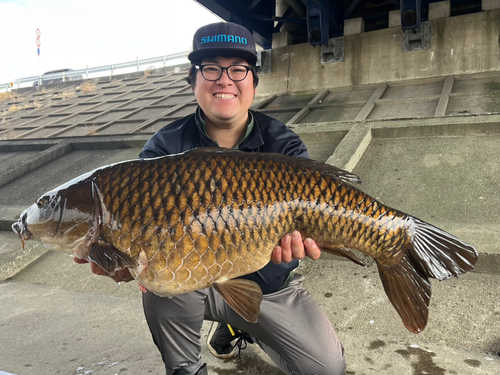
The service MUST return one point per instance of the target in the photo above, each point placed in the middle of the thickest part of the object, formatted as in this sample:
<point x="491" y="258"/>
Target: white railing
<point x="100" y="71"/>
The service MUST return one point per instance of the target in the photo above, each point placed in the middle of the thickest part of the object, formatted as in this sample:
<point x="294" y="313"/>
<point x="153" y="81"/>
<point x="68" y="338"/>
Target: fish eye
<point x="41" y="203"/>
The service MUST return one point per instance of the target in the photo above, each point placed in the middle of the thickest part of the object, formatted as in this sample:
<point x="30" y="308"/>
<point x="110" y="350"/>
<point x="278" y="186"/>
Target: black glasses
<point x="213" y="72"/>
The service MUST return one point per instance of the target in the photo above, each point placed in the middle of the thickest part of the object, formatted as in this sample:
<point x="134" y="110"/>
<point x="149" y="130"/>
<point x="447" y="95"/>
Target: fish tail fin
<point x="439" y="254"/>
<point x="434" y="253"/>
<point x="409" y="292"/>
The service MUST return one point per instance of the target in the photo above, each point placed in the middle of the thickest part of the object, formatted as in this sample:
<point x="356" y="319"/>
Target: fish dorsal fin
<point x="244" y="297"/>
<point x="109" y="258"/>
<point x="409" y="292"/>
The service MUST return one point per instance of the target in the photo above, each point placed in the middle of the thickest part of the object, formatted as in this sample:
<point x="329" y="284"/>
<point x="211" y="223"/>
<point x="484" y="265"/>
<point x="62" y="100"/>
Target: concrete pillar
<point x="281" y="7"/>
<point x="281" y="39"/>
<point x="395" y="18"/>
<point x="439" y="10"/>
<point x="354" y="26"/>
<point x="490" y="4"/>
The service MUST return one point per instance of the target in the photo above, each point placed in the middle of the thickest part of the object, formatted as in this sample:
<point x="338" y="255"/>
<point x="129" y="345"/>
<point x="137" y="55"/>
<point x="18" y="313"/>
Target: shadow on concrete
<point x="422" y="361"/>
<point x="247" y="363"/>
<point x="494" y="345"/>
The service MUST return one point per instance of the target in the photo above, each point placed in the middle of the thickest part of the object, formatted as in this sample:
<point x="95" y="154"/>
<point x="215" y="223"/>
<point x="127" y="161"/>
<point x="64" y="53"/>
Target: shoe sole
<point x="211" y="333"/>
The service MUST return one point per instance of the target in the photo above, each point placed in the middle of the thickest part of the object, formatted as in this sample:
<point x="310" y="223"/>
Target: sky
<point x="79" y="33"/>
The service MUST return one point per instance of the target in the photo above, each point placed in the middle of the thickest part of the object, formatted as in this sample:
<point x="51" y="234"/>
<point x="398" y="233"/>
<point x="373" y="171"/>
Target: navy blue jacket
<point x="267" y="135"/>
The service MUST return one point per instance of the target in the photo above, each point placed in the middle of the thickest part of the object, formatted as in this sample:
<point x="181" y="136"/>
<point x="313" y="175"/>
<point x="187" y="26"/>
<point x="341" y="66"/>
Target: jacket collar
<point x="204" y="138"/>
<point x="254" y="140"/>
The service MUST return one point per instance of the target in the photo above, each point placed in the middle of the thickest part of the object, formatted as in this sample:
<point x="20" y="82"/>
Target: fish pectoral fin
<point x="342" y="252"/>
<point x="243" y="296"/>
<point x="109" y="258"/>
<point x="409" y="292"/>
<point x="142" y="262"/>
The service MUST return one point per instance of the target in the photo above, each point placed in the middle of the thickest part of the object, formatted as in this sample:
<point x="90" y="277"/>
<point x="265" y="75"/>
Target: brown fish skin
<point x="202" y="218"/>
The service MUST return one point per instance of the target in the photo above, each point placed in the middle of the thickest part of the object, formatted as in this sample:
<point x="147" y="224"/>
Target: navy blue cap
<point x="223" y="39"/>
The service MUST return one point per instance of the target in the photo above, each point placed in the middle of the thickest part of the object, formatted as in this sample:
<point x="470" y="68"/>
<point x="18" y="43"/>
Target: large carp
<point x="202" y="218"/>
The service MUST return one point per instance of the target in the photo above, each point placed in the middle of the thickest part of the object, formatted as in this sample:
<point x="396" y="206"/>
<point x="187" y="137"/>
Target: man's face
<point x="225" y="100"/>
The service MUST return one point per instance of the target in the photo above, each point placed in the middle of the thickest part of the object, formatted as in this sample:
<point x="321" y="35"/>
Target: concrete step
<point x="63" y="318"/>
<point x="464" y="311"/>
<point x="8" y="215"/>
<point x="13" y="258"/>
<point x="50" y="330"/>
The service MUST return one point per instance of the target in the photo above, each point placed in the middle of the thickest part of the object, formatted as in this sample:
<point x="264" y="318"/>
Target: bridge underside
<point x="315" y="21"/>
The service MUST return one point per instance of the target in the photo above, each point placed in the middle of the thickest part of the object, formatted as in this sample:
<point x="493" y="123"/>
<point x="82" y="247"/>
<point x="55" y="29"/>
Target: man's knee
<point x="327" y="363"/>
<point x="337" y="365"/>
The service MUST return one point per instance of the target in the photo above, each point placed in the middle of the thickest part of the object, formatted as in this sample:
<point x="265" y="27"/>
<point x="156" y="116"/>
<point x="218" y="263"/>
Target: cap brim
<point x="199" y="55"/>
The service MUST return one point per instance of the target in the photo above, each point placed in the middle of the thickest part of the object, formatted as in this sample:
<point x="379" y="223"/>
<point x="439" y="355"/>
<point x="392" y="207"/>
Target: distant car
<point x="48" y="78"/>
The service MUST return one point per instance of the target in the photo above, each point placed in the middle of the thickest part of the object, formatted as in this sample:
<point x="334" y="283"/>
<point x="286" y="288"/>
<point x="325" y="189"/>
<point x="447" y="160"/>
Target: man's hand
<point x="122" y="275"/>
<point x="291" y="247"/>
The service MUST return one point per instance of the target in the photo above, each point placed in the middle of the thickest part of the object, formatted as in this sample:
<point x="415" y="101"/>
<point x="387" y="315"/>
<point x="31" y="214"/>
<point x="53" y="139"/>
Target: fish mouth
<point x="21" y="229"/>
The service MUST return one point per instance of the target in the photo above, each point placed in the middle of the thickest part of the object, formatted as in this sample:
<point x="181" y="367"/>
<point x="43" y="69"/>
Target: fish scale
<point x="205" y="217"/>
<point x="218" y="184"/>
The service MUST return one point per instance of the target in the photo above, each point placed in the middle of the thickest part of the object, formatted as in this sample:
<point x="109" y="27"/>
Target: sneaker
<point x="220" y="340"/>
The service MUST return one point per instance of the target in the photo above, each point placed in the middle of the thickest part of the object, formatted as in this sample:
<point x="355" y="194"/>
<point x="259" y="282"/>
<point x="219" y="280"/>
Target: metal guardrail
<point x="100" y="71"/>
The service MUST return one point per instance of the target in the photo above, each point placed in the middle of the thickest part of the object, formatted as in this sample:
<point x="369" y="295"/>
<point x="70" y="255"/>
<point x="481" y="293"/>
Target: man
<point x="291" y="328"/>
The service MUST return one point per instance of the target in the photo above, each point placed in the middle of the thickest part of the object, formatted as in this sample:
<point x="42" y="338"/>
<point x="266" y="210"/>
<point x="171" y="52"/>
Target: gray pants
<point x="292" y="329"/>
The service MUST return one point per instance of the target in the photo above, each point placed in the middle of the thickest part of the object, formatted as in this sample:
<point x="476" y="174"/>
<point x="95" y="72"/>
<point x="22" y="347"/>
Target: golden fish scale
<point x="201" y="218"/>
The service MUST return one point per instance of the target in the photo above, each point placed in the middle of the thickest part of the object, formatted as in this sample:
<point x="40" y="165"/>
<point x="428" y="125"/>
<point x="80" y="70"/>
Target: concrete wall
<point x="462" y="44"/>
